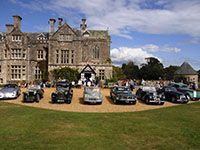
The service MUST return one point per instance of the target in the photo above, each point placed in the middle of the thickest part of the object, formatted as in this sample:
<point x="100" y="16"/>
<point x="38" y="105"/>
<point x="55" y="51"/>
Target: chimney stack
<point x="9" y="28"/>
<point x="60" y="22"/>
<point x="83" y="25"/>
<point x="52" y="23"/>
<point x="17" y="22"/>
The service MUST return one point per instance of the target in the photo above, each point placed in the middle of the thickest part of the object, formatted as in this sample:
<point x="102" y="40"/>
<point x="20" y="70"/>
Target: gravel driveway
<point x="78" y="106"/>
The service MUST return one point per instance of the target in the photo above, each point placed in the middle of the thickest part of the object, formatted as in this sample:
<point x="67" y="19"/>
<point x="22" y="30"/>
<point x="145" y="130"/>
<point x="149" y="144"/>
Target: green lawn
<point x="31" y="128"/>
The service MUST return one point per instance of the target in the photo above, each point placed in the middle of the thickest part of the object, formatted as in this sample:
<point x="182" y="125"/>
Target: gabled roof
<point x="63" y="27"/>
<point x="34" y="35"/>
<point x="186" y="69"/>
<point x="88" y="68"/>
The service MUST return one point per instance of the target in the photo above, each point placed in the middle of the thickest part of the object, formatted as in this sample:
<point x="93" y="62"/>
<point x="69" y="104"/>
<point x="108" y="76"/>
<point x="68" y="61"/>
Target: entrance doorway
<point x="88" y="75"/>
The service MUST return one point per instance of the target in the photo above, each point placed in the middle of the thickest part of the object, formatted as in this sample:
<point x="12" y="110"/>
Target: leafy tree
<point x="153" y="70"/>
<point x="66" y="73"/>
<point x="117" y="74"/>
<point x="44" y="69"/>
<point x="130" y="70"/>
<point x="43" y="65"/>
<point x="180" y="78"/>
<point x="169" y="72"/>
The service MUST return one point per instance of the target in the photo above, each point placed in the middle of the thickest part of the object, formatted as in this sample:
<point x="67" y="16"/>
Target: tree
<point x="199" y="74"/>
<point x="169" y="72"/>
<point x="130" y="70"/>
<point x="44" y="69"/>
<point x="117" y="74"/>
<point x="153" y="70"/>
<point x="66" y="73"/>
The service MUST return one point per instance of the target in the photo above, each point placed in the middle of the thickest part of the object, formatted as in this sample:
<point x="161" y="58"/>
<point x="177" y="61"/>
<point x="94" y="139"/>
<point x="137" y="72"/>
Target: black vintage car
<point x="173" y="95"/>
<point x="33" y="94"/>
<point x="63" y="93"/>
<point x="150" y="96"/>
<point x="122" y="94"/>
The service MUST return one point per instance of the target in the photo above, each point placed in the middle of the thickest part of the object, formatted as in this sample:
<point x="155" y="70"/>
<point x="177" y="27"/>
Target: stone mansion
<point x="83" y="49"/>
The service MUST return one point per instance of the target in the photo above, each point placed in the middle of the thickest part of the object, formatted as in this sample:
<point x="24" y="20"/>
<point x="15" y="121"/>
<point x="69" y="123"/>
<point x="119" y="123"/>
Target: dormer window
<point x="17" y="38"/>
<point x="41" y="38"/>
<point x="86" y="34"/>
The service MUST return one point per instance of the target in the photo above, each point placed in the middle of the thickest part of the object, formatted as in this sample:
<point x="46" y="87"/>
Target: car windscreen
<point x="59" y="87"/>
<point x="168" y="89"/>
<point x="122" y="90"/>
<point x="10" y="86"/>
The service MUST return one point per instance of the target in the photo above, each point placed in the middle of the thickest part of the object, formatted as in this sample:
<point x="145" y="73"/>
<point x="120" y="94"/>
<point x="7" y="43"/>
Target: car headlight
<point x="14" y="93"/>
<point x="117" y="98"/>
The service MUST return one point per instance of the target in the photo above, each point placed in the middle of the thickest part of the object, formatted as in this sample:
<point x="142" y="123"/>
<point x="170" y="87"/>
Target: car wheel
<point x="162" y="103"/>
<point x="134" y="102"/>
<point x="68" y="102"/>
<point x="173" y="99"/>
<point x="188" y="97"/>
<point x="37" y="98"/>
<point x="146" y="101"/>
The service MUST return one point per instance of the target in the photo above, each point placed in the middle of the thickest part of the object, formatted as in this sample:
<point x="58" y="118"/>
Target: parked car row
<point x="174" y="92"/>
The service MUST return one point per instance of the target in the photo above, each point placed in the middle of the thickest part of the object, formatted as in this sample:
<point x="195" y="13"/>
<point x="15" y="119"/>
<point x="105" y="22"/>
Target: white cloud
<point x="124" y="16"/>
<point x="125" y="54"/>
<point x="156" y="48"/>
<point x="138" y="54"/>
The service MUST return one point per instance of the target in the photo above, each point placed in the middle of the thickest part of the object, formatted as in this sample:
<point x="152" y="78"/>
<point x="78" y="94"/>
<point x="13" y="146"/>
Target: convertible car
<point x="10" y="91"/>
<point x="92" y="95"/>
<point x="171" y="94"/>
<point x="149" y="95"/>
<point x="63" y="93"/>
<point x="189" y="93"/>
<point x="122" y="94"/>
<point x="33" y="94"/>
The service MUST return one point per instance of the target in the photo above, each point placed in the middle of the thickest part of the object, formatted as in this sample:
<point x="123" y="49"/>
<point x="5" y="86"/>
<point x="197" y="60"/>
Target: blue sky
<point x="166" y="29"/>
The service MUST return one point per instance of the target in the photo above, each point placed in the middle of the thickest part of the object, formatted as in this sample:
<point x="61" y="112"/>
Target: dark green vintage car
<point x="122" y="94"/>
<point x="33" y="94"/>
<point x="63" y="93"/>
<point x="189" y="93"/>
<point x="173" y="95"/>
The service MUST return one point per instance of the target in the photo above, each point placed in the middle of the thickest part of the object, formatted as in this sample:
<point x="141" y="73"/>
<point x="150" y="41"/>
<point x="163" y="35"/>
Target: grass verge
<point x="24" y="127"/>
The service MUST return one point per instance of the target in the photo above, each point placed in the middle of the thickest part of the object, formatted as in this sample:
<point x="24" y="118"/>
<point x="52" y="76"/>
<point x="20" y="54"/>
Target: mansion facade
<point x="21" y="53"/>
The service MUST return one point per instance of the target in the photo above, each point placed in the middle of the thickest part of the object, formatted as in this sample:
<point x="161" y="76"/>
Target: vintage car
<point x="10" y="91"/>
<point x="173" y="95"/>
<point x="122" y="94"/>
<point x="63" y="93"/>
<point x="33" y="94"/>
<point x="92" y="95"/>
<point x="149" y="95"/>
<point x="189" y="93"/>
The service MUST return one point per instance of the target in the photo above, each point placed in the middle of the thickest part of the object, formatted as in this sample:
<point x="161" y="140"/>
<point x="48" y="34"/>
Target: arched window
<point x="96" y="52"/>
